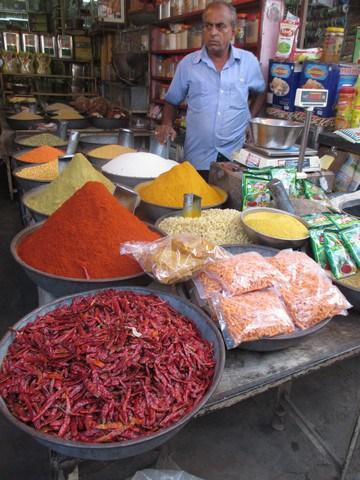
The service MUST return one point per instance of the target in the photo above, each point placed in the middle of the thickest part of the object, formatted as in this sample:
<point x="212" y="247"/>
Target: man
<point x="215" y="81"/>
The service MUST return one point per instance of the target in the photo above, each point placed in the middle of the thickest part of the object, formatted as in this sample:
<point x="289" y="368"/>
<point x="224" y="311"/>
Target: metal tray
<point x="109" y="123"/>
<point x="351" y="293"/>
<point x="118" y="450"/>
<point x="58" y="285"/>
<point x="266" y="344"/>
<point x="16" y="124"/>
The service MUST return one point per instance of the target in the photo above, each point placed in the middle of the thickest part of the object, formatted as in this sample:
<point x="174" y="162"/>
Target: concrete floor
<point x="237" y="443"/>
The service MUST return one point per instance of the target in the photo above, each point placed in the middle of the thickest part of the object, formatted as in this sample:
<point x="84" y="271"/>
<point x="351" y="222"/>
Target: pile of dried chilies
<point x="110" y="367"/>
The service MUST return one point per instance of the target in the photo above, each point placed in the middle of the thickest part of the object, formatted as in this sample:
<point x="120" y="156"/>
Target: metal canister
<point x="126" y="138"/>
<point x="157" y="148"/>
<point x="191" y="205"/>
<point x="62" y="130"/>
<point x="280" y="196"/>
<point x="73" y="143"/>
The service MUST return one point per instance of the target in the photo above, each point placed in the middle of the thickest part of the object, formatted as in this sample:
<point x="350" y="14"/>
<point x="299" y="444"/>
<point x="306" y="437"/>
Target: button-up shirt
<point x="217" y="114"/>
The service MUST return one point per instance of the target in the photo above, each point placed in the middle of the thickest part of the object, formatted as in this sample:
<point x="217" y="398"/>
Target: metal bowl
<point x="151" y="211"/>
<point x="274" y="133"/>
<point x="117" y="450"/>
<point x="58" y="285"/>
<point x="76" y="123"/>
<point x="17" y="124"/>
<point x="129" y="181"/>
<point x="351" y="293"/>
<point x="351" y="207"/>
<point x="21" y="142"/>
<point x="26" y="184"/>
<point x="109" y="123"/>
<point x="37" y="216"/>
<point x="263" y="239"/>
<point x="89" y="142"/>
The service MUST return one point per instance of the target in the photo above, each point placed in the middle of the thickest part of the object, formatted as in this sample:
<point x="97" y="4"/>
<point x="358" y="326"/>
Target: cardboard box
<point x="348" y="74"/>
<point x="253" y="159"/>
<point x="356" y="57"/>
<point x="284" y="79"/>
<point x="82" y="47"/>
<point x="322" y="75"/>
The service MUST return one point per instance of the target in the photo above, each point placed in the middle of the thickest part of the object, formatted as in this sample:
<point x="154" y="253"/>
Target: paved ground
<point x="234" y="444"/>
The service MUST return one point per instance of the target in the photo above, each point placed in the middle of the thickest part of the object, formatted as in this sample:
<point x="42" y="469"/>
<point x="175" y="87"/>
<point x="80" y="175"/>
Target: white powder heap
<point x="139" y="164"/>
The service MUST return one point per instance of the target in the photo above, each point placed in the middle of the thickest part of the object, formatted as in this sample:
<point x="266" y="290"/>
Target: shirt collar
<point x="235" y="54"/>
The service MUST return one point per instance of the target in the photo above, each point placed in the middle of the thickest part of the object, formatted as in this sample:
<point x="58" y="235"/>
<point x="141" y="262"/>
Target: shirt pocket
<point x="239" y="94"/>
<point x="198" y="92"/>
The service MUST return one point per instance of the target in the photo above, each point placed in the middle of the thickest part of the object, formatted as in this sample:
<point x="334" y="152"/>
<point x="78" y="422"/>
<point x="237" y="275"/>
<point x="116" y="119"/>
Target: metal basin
<point x="21" y="142"/>
<point x="274" y="133"/>
<point x="129" y="181"/>
<point x="17" y="124"/>
<point x="351" y="207"/>
<point x="263" y="239"/>
<point x="151" y="212"/>
<point x="351" y="293"/>
<point x="109" y="123"/>
<point x="37" y="216"/>
<point x="118" y="450"/>
<point x="89" y="142"/>
<point x="58" y="285"/>
<point x="26" y="184"/>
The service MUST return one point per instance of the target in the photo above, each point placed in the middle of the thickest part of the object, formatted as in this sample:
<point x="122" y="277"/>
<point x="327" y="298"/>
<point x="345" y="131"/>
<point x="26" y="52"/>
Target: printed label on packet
<point x="351" y="239"/>
<point x="339" y="258"/>
<point x="318" y="247"/>
<point x="316" y="220"/>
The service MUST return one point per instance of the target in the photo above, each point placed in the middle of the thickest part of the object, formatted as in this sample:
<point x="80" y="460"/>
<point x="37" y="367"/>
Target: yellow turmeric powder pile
<point x="169" y="188"/>
<point x="277" y="225"/>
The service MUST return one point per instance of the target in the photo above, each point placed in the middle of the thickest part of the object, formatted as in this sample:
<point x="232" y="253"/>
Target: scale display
<point x="311" y="97"/>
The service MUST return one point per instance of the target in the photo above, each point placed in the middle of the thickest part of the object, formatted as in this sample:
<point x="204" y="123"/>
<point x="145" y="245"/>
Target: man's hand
<point x="163" y="132"/>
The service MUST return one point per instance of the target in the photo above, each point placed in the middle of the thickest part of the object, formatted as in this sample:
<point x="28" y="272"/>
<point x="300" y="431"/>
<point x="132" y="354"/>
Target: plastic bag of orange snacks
<point x="243" y="273"/>
<point x="251" y="316"/>
<point x="309" y="294"/>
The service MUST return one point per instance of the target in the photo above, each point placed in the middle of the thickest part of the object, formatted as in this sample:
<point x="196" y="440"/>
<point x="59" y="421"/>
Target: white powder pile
<point x="139" y="164"/>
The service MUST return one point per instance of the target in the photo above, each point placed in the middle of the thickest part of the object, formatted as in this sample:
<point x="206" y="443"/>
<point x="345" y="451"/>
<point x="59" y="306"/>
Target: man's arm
<point x="165" y="130"/>
<point x="257" y="101"/>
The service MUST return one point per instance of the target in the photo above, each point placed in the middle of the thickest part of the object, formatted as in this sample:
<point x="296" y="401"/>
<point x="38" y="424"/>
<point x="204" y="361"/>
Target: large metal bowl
<point x="274" y="133"/>
<point x="37" y="216"/>
<point x="351" y="293"/>
<point x="26" y="184"/>
<point x="129" y="181"/>
<point x="58" y="285"/>
<point x="109" y="123"/>
<point x="151" y="211"/>
<point x="89" y="142"/>
<point x="21" y="142"/>
<point x="17" y="124"/>
<point x="351" y="207"/>
<point x="263" y="239"/>
<point x="117" y="450"/>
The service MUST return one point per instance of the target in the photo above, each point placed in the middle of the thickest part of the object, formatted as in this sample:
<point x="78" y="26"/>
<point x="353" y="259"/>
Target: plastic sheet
<point x="174" y="258"/>
<point x="252" y="316"/>
<point x="309" y="294"/>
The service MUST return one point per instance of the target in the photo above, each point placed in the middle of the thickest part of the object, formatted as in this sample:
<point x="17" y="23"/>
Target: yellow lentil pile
<point x="25" y="115"/>
<point x="43" y="172"/>
<point x="352" y="281"/>
<point x="67" y="114"/>
<point x="215" y="225"/>
<point x="108" y="152"/>
<point x="276" y="225"/>
<point x="42" y="139"/>
<point x="58" y="106"/>
<point x="169" y="188"/>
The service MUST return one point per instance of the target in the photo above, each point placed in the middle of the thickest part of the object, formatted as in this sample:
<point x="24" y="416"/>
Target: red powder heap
<point x="82" y="238"/>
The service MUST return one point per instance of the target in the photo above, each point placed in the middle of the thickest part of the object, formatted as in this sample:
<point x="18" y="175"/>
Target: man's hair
<point x="219" y="3"/>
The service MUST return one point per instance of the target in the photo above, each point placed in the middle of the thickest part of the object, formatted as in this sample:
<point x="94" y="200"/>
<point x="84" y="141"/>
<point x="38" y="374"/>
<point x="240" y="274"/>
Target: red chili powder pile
<point x="81" y="239"/>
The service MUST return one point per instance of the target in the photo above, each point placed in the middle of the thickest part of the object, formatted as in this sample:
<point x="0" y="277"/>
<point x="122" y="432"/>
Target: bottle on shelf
<point x="333" y="42"/>
<point x="344" y="107"/>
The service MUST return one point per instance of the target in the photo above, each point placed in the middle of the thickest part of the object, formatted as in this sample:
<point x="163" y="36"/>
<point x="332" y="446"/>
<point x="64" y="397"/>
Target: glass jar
<point x="195" y="40"/>
<point x="252" y="29"/>
<point x="344" y="107"/>
<point x="240" y="31"/>
<point x="333" y="42"/>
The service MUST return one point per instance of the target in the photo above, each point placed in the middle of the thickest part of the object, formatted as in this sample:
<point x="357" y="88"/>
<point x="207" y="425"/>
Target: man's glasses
<point x="220" y="27"/>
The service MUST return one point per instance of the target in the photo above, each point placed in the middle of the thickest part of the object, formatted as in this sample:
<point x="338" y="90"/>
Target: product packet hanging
<point x="252" y="316"/>
<point x="174" y="258"/>
<point x="341" y="263"/>
<point x="342" y="220"/>
<point x="318" y="247"/>
<point x="309" y="294"/>
<point x="255" y="192"/>
<point x="288" y="178"/>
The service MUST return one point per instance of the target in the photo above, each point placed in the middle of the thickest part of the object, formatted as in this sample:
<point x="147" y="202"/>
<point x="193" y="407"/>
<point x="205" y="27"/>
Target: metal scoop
<point x="127" y="197"/>
<point x="280" y="196"/>
<point x="191" y="206"/>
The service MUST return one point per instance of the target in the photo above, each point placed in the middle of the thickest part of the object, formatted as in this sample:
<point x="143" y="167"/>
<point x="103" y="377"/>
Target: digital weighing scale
<point x="293" y="151"/>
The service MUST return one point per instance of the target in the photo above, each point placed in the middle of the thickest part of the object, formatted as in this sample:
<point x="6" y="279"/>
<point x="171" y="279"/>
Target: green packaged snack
<point x="288" y="178"/>
<point x="299" y="189"/>
<point x="341" y="263"/>
<point x="316" y="220"/>
<point x="259" y="172"/>
<point x="313" y="192"/>
<point x="351" y="239"/>
<point x="255" y="192"/>
<point x="342" y="220"/>
<point x="318" y="247"/>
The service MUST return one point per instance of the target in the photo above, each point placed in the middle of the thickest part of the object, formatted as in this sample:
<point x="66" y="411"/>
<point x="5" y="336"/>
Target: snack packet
<point x="206" y="286"/>
<point x="307" y="54"/>
<point x="313" y="192"/>
<point x="286" y="45"/>
<point x="252" y="316"/>
<point x="287" y="177"/>
<point x="339" y="258"/>
<point x="351" y="239"/>
<point x="342" y="220"/>
<point x="255" y="192"/>
<point x="243" y="273"/>
<point x="318" y="247"/>
<point x="315" y="220"/>
<point x="173" y="258"/>
<point x="309" y="294"/>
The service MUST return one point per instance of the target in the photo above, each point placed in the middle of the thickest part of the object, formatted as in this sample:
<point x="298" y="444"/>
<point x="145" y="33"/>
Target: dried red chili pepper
<point x="110" y="367"/>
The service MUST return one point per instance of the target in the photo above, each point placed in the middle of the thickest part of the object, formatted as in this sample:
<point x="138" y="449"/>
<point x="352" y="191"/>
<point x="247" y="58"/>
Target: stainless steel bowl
<point x="350" y="292"/>
<point x="151" y="211"/>
<point x="129" y="448"/>
<point x="274" y="133"/>
<point x="26" y="184"/>
<point x="128" y="181"/>
<point x="58" y="285"/>
<point x="263" y="239"/>
<point x="351" y="207"/>
<point x="37" y="216"/>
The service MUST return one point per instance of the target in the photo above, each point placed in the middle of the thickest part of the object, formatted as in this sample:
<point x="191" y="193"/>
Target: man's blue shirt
<point x="217" y="114"/>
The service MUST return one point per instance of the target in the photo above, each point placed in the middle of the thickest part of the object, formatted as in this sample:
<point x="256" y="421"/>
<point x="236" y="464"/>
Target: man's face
<point x="217" y="30"/>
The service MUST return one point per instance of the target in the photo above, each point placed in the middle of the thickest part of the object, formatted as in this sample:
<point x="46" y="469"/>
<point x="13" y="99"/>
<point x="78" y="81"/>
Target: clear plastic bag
<point x="309" y="294"/>
<point x="242" y="273"/>
<point x="252" y="316"/>
<point x="174" y="258"/>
